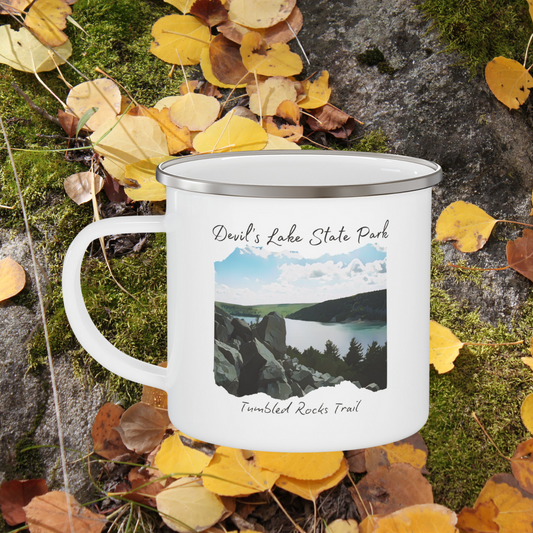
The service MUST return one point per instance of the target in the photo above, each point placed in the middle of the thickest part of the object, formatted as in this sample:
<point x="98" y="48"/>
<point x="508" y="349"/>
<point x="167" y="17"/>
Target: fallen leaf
<point x="412" y="450"/>
<point x="241" y="111"/>
<point x="388" y="489"/>
<point x="301" y="465"/>
<point x="331" y="119"/>
<point x="260" y="13"/>
<point x="79" y="186"/>
<point x="509" y="81"/>
<point x="526" y="412"/>
<point x="103" y="94"/>
<point x="194" y="111"/>
<point x="520" y="252"/>
<point x="166" y="102"/>
<point x="522" y="465"/>
<point x="14" y="7"/>
<point x="183" y="5"/>
<point x="146" y="484"/>
<point x="286" y="30"/>
<point x="212" y="12"/>
<point x="444" y="347"/>
<point x="107" y="441"/>
<point x="234" y="475"/>
<point x="155" y="397"/>
<point x="126" y="140"/>
<point x="12" y="278"/>
<point x="420" y="518"/>
<point x="311" y="489"/>
<point x="480" y="519"/>
<point x="231" y="134"/>
<point x="46" y="19"/>
<point x="356" y="461"/>
<point x="368" y="524"/>
<point x="288" y="110"/>
<point x="14" y="495"/>
<point x="280" y="143"/>
<point x="274" y="60"/>
<point x="50" y="513"/>
<point x="226" y="63"/>
<point x="141" y="428"/>
<point x="343" y="526"/>
<point x="317" y="92"/>
<point x="179" y="39"/>
<point x="268" y="95"/>
<point x="528" y="361"/>
<point x="515" y="505"/>
<point x="178" y="460"/>
<point x="186" y="504"/>
<point x="290" y="132"/>
<point x="68" y="121"/>
<point x="22" y="51"/>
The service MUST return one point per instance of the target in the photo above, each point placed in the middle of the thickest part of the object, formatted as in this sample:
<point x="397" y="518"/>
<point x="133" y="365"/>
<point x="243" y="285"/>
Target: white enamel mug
<point x="298" y="298"/>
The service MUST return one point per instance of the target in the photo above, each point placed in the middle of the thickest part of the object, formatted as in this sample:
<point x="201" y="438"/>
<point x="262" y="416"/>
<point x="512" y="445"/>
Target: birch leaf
<point x="12" y="278"/>
<point x="260" y="13"/>
<point x="268" y="95"/>
<point x="79" y="186"/>
<point x="526" y="412"/>
<point x="15" y="495"/>
<point x="179" y="460"/>
<point x="194" y="111"/>
<point x="317" y="92"/>
<point x="520" y="254"/>
<point x="509" y="81"/>
<point x="13" y="6"/>
<point x="444" y="347"/>
<point x="142" y="174"/>
<point x="46" y="18"/>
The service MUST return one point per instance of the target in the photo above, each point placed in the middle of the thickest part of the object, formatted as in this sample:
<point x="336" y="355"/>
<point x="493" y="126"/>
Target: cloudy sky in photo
<point x="255" y="276"/>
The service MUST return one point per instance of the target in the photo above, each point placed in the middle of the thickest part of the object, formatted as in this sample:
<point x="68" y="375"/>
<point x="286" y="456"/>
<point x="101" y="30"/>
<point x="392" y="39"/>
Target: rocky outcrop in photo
<point x="251" y="360"/>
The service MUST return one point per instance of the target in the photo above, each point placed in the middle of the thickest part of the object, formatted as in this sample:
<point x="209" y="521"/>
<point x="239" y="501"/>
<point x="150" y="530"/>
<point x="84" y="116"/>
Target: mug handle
<point x="80" y="321"/>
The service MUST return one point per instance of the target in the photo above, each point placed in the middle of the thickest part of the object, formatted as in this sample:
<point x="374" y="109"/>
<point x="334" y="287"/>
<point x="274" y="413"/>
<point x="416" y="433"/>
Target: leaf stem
<point x="477" y="269"/>
<point x="188" y="36"/>
<point x="493" y="343"/>
<point x="488" y="436"/>
<point x="515" y="222"/>
<point x="285" y="512"/>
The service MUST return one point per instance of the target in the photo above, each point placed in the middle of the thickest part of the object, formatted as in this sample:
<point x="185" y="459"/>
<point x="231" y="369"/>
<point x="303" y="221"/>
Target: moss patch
<point x="375" y="57"/>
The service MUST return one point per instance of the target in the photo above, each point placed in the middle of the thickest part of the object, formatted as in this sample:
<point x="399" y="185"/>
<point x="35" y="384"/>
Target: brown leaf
<point x="142" y="428"/>
<point x="289" y="111"/>
<point x="390" y="488"/>
<point x="68" y="121"/>
<point x="50" y="514"/>
<point x="144" y="487"/>
<point x="522" y="465"/>
<point x="287" y="131"/>
<point x="13" y="6"/>
<point x="233" y="31"/>
<point x="14" y="495"/>
<point x="12" y="278"/>
<point x="156" y="397"/>
<point x="480" y="519"/>
<point x="79" y="186"/>
<point x="212" y="12"/>
<point x="226" y="62"/>
<point x="209" y="90"/>
<point x="114" y="191"/>
<point x="356" y="461"/>
<point x="519" y="254"/>
<point x="286" y="30"/>
<point x="107" y="441"/>
<point x="331" y="119"/>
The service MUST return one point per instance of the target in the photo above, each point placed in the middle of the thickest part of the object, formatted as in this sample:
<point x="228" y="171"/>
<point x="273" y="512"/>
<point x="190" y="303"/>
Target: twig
<point x="34" y="106"/>
<point x="285" y="512"/>
<point x="488" y="436"/>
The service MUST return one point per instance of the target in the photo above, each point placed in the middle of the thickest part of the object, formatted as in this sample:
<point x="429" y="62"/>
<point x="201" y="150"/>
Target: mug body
<point x="298" y="319"/>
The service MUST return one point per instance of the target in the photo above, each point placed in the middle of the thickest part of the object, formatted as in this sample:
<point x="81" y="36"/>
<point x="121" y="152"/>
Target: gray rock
<point x="279" y="390"/>
<point x="296" y="389"/>
<point x="232" y="355"/>
<point x="255" y="355"/>
<point x="272" y="331"/>
<point x="303" y="377"/>
<point x="241" y="330"/>
<point x="309" y="389"/>
<point x="373" y="387"/>
<point x="272" y="371"/>
<point x="223" y="326"/>
<point x="225" y="372"/>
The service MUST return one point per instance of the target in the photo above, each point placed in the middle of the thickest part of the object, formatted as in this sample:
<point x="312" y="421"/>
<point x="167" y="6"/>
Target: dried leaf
<point x="186" y="504"/>
<point x="343" y="526"/>
<point x="144" y="485"/>
<point x="444" y="347"/>
<point x="424" y="518"/>
<point x="522" y="465"/>
<point x="388" y="489"/>
<point x="528" y="361"/>
<point x="234" y="475"/>
<point x="22" y="51"/>
<point x="142" y="175"/>
<point x="233" y="31"/>
<point x="480" y="519"/>
<point x="68" y="122"/>
<point x="79" y="186"/>
<point x="290" y="132"/>
<point x="260" y="13"/>
<point x="509" y="81"/>
<point x="166" y="102"/>
<point x="49" y="513"/>
<point x="301" y="465"/>
<point x="212" y="12"/>
<point x="515" y="505"/>
<point x="14" y="7"/>
<point x="520" y="252"/>
<point x="194" y="111"/>
<point x="266" y="97"/>
<point x="14" y="495"/>
<point x="155" y="397"/>
<point x="317" y="92"/>
<point x="183" y="5"/>
<point x="412" y="450"/>
<point x="142" y="428"/>
<point x="277" y="60"/>
<point x="179" y="39"/>
<point x="286" y="30"/>
<point x="103" y="94"/>
<point x="46" y="19"/>
<point x="288" y="110"/>
<point x="311" y="489"/>
<point x="12" y="278"/>
<point x="107" y="441"/>
<point x="280" y="143"/>
<point x="231" y="134"/>
<point x="526" y="412"/>
<point x="226" y="63"/>
<point x="356" y="461"/>
<point x="179" y="460"/>
<point x="332" y="120"/>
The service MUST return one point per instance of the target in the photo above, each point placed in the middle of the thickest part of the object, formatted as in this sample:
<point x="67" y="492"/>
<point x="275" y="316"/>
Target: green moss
<point x="373" y="141"/>
<point x="481" y="30"/>
<point x="375" y="57"/>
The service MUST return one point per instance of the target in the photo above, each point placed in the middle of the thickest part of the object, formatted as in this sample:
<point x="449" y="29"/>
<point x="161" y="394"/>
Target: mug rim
<point x="226" y="188"/>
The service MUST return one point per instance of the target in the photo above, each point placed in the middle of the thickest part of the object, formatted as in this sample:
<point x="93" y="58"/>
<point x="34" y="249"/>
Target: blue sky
<point x="254" y="276"/>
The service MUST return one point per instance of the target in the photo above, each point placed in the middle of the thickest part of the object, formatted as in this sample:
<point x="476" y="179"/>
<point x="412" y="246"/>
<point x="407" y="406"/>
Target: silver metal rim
<point x="298" y="191"/>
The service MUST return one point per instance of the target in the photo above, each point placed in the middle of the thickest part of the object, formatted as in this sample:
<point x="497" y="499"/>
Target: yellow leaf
<point x="267" y="96"/>
<point x="368" y="524"/>
<point x="310" y="489"/>
<point x="424" y="518"/>
<point x="530" y="2"/>
<point x="46" y="18"/>
<point x="194" y="111"/>
<point x="279" y="143"/>
<point x="12" y="278"/>
<point x="79" y="186"/>
<point x="412" y="450"/>
<point x="179" y="39"/>
<point x="165" y="102"/>
<point x="260" y="13"/>
<point x="102" y="93"/>
<point x="179" y="460"/>
<point x="276" y="61"/>
<point x="343" y="526"/>
<point x="509" y="81"/>
<point x="466" y="224"/>
<point x="183" y="5"/>
<point x="125" y="140"/>
<point x="301" y="465"/>
<point x="444" y="347"/>
<point x="317" y="92"/>
<point x="528" y="361"/>
<point x="526" y="412"/>
<point x="13" y="7"/>
<point x="231" y="134"/>
<point x="22" y="51"/>
<point x="235" y="475"/>
<point x="186" y="505"/>
<point x="142" y="185"/>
